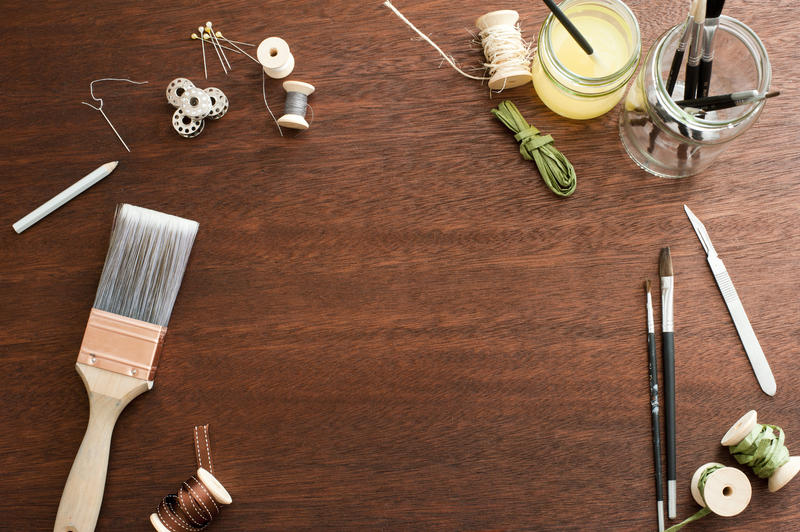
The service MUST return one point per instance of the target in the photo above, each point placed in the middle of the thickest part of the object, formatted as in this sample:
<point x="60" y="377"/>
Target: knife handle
<point x="746" y="333"/>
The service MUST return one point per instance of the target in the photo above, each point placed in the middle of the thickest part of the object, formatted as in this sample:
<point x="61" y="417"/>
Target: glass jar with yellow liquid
<point x="580" y="86"/>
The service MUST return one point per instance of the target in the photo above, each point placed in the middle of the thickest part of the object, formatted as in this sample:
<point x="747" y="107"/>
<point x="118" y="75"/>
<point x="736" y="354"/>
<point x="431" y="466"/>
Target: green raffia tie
<point x="556" y="170"/>
<point x="704" y="511"/>
<point x="762" y="450"/>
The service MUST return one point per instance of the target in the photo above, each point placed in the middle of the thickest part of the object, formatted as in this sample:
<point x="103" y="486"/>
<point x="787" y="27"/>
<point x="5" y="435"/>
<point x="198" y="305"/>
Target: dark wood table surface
<point x="388" y="321"/>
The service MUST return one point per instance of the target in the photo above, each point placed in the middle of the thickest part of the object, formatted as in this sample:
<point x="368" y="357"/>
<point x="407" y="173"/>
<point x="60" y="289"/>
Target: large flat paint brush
<point x="117" y="361"/>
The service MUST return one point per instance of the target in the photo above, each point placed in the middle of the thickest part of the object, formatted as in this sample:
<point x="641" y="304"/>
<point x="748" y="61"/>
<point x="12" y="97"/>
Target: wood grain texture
<point x="388" y="321"/>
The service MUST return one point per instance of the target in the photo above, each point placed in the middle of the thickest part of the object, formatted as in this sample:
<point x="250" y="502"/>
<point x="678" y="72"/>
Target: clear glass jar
<point x="668" y="141"/>
<point x="578" y="86"/>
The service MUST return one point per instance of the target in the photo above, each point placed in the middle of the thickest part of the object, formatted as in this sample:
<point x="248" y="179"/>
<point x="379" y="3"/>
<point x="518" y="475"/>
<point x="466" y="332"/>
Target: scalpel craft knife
<point x="743" y="327"/>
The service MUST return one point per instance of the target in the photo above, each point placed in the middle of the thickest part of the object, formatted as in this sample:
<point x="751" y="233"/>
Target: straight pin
<point x="201" y="29"/>
<point x="203" y="46"/>
<point x="233" y="43"/>
<point x="214" y="38"/>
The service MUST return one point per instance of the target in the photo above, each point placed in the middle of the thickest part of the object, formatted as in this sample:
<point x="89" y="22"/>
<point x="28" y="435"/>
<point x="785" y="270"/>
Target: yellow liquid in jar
<point x="611" y="40"/>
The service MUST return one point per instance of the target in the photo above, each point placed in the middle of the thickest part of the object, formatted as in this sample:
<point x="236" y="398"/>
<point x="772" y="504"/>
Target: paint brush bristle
<point x="665" y="263"/>
<point x="700" y="12"/>
<point x="146" y="258"/>
<point x="714" y="8"/>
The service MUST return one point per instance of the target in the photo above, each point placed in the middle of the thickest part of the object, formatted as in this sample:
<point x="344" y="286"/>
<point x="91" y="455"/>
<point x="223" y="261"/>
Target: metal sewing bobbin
<point x="294" y="111"/>
<point x="175" y="90"/>
<point x="219" y="103"/>
<point x="215" y="489"/>
<point x="196" y="103"/>
<point x="186" y="126"/>
<point x="274" y="55"/>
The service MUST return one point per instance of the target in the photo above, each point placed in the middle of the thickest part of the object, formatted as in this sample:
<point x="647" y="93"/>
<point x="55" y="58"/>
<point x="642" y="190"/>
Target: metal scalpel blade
<point x="751" y="346"/>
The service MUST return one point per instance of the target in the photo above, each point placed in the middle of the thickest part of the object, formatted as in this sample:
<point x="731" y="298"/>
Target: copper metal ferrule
<point x="122" y="345"/>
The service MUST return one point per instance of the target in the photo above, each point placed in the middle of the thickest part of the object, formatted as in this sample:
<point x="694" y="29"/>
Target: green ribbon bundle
<point x="556" y="170"/>
<point x="762" y="450"/>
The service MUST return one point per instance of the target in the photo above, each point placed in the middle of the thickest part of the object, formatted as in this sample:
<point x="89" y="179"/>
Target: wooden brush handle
<point x="109" y="393"/>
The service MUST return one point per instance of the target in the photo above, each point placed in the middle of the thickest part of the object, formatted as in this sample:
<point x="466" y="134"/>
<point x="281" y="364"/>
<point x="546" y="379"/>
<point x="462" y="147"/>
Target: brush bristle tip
<point x="146" y="258"/>
<point x="665" y="263"/>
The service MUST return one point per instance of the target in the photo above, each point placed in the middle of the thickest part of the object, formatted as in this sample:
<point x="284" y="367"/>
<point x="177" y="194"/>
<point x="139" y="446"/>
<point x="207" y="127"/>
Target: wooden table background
<point x="388" y="321"/>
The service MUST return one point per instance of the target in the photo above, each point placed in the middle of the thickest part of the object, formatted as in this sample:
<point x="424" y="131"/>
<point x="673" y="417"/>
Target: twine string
<point x="556" y="170"/>
<point x="503" y="47"/>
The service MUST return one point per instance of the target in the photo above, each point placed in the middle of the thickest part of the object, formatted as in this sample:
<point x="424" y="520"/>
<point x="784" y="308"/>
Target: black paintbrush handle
<point x="651" y="355"/>
<point x="569" y="26"/>
<point x="705" y="78"/>
<point x="692" y="74"/>
<point x="677" y="59"/>
<point x="668" y="341"/>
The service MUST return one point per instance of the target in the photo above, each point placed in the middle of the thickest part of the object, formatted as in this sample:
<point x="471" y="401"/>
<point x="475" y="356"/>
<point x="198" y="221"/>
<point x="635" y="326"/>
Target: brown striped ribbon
<point x="193" y="507"/>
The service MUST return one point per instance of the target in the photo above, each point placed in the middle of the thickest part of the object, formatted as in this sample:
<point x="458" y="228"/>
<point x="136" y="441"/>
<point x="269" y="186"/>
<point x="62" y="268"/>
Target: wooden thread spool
<point x="745" y="426"/>
<point x="506" y="76"/>
<point x="292" y="118"/>
<point x="727" y="491"/>
<point x="214" y="487"/>
<point x="274" y="55"/>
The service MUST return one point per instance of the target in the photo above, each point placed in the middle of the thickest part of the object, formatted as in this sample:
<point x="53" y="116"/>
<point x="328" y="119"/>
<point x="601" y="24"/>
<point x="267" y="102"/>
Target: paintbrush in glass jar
<point x="118" y="357"/>
<point x="680" y="50"/>
<point x="725" y="101"/>
<point x="695" y="52"/>
<point x="713" y="11"/>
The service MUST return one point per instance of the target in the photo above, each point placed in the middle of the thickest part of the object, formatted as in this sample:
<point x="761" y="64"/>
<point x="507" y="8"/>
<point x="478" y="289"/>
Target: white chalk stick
<point x="62" y="198"/>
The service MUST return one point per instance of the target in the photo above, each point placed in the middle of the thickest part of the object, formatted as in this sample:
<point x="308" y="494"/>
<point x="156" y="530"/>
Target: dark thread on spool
<point x="296" y="103"/>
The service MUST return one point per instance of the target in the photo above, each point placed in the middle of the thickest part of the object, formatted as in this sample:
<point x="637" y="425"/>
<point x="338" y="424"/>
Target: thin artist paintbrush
<point x="668" y="345"/>
<point x="677" y="59"/>
<point x="695" y="52"/>
<point x="653" y="369"/>
<point x="726" y="101"/>
<point x="117" y="361"/>
<point x="713" y="11"/>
